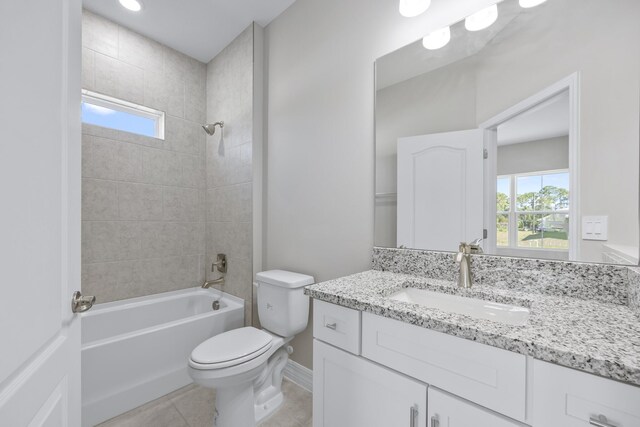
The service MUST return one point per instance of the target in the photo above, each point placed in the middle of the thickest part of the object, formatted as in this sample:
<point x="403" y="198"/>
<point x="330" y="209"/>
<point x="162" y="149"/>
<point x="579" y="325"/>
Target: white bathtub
<point x="136" y="350"/>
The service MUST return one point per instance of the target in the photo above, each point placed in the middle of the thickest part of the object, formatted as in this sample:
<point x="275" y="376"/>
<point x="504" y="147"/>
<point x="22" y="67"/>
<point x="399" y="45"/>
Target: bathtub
<point x="136" y="350"/>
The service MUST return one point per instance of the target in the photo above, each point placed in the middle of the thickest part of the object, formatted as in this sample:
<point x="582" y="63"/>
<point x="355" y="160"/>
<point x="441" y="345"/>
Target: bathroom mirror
<point x="524" y="134"/>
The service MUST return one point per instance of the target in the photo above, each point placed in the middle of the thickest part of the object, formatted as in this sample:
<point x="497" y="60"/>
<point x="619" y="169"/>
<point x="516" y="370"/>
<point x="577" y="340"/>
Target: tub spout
<point x="215" y="282"/>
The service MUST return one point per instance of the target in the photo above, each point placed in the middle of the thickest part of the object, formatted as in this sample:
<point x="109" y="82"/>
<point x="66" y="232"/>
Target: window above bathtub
<point x="114" y="113"/>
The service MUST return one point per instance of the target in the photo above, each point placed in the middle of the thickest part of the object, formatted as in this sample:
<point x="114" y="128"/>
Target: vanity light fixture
<point x="437" y="39"/>
<point x="411" y="8"/>
<point x="531" y="3"/>
<point x="132" y="5"/>
<point x="482" y="19"/>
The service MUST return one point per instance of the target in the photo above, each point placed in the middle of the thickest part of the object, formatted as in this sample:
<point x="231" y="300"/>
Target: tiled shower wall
<point x="143" y="212"/>
<point x="230" y="86"/>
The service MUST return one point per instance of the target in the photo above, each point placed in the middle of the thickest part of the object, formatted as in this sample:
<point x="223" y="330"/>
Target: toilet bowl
<point x="246" y="365"/>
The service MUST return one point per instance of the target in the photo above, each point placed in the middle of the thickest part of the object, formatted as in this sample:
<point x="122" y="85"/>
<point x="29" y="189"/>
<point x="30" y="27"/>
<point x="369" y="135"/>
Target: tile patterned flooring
<point x="192" y="406"/>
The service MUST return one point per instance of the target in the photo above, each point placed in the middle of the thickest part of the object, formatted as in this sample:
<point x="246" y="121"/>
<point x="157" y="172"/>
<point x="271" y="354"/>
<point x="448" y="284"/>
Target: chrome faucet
<point x="209" y="283"/>
<point x="465" y="279"/>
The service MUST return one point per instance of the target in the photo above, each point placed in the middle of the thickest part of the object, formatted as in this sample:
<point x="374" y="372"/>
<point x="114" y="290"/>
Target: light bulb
<point x="482" y="19"/>
<point x="411" y="8"/>
<point x="531" y="3"/>
<point x="437" y="39"/>
<point x="132" y="5"/>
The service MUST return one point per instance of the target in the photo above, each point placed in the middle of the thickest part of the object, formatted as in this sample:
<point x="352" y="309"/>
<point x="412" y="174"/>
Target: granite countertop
<point x="597" y="337"/>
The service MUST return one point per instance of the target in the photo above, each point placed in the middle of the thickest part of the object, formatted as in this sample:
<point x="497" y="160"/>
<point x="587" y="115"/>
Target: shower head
<point x="210" y="129"/>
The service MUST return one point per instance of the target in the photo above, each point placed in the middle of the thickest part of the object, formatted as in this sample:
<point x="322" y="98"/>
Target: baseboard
<point x="299" y="375"/>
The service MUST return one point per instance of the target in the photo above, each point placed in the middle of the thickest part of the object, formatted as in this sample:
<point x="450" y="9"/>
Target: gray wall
<point x="319" y="196"/>
<point x="533" y="156"/>
<point x="229" y="164"/>
<point x="142" y="198"/>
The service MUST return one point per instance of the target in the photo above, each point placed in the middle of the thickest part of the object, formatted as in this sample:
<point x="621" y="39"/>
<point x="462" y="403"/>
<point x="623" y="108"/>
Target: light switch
<point x="595" y="227"/>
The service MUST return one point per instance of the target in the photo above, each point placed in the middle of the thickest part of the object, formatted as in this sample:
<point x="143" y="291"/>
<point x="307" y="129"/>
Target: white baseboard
<point x="299" y="375"/>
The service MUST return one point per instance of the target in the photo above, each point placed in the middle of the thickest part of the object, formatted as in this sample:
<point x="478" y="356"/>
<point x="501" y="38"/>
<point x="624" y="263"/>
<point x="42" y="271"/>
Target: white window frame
<point x="513" y="213"/>
<point x="116" y="104"/>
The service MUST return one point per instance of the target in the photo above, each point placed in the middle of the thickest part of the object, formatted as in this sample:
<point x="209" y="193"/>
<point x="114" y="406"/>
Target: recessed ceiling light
<point x="531" y="3"/>
<point x="132" y="5"/>
<point x="437" y="39"/>
<point x="482" y="19"/>
<point x="411" y="8"/>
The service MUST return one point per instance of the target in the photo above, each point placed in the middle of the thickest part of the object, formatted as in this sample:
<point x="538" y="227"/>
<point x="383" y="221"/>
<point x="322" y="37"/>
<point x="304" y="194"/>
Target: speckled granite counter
<point x="593" y="336"/>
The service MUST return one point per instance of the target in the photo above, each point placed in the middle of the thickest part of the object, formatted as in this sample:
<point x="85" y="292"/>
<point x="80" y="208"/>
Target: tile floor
<point x="192" y="406"/>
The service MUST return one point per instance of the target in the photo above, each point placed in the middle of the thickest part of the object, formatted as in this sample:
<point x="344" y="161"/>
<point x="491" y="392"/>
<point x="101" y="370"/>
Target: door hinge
<point x="485" y="154"/>
<point x="485" y="234"/>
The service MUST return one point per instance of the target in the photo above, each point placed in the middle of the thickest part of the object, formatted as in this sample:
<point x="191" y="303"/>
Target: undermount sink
<point x="476" y="308"/>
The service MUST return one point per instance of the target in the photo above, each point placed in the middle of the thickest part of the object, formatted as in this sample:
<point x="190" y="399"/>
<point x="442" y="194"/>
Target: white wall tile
<point x="164" y="93"/>
<point x="184" y="136"/>
<point x="140" y="51"/>
<point x="99" y="158"/>
<point x="139" y="201"/>
<point x="99" y="200"/>
<point x="182" y="204"/>
<point x="100" y="241"/>
<point x="130" y="239"/>
<point x="161" y="167"/>
<point x="88" y="69"/>
<point x="143" y="198"/>
<point x="99" y="34"/>
<point x="129" y="162"/>
<point x="192" y="171"/>
<point x="176" y="64"/>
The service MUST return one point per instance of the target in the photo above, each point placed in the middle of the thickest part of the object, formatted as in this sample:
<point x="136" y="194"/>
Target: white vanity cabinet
<point x="373" y="371"/>
<point x="349" y="391"/>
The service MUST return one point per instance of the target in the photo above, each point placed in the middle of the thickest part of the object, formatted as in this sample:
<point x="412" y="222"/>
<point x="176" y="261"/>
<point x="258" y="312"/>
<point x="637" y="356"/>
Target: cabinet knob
<point x="600" y="421"/>
<point x="330" y="325"/>
<point x="435" y="422"/>
<point x="413" y="416"/>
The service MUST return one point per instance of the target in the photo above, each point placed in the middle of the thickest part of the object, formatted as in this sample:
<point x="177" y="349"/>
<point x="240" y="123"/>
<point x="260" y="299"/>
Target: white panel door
<point x="349" y="391"/>
<point x="440" y="189"/>
<point x="446" y="410"/>
<point x="40" y="212"/>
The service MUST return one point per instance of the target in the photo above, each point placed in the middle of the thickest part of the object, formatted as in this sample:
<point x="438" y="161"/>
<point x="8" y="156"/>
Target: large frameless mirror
<point x="524" y="134"/>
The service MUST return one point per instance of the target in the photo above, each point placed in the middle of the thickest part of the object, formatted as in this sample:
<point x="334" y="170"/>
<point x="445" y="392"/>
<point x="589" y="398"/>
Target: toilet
<point x="246" y="365"/>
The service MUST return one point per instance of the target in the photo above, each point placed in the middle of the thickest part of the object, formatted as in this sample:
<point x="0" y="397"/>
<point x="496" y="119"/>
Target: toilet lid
<point x="238" y="345"/>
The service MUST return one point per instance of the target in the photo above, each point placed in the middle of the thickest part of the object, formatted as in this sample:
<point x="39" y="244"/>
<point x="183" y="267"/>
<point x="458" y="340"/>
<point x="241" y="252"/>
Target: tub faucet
<point x="209" y="283"/>
<point x="465" y="279"/>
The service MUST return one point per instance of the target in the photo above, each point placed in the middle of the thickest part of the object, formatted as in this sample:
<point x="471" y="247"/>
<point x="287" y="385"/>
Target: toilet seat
<point x="231" y="348"/>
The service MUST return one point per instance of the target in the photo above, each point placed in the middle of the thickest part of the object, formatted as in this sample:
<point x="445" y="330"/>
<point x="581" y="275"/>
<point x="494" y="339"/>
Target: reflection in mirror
<point x="524" y="134"/>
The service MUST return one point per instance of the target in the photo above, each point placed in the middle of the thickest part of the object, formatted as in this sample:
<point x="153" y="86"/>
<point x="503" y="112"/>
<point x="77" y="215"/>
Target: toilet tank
<point x="283" y="308"/>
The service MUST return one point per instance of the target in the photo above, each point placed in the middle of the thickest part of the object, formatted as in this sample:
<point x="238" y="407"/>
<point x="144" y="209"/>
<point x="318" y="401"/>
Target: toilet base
<point x="249" y="398"/>
<point x="268" y="388"/>
<point x="234" y="407"/>
<point x="266" y="409"/>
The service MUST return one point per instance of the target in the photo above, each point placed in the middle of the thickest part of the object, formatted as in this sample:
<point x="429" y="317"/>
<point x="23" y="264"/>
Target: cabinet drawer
<point x="449" y="411"/>
<point x="337" y="325"/>
<point x="491" y="377"/>
<point x="564" y="397"/>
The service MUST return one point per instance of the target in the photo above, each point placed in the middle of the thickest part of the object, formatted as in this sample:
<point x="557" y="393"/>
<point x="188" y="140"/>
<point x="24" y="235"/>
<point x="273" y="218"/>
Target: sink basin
<point x="476" y="308"/>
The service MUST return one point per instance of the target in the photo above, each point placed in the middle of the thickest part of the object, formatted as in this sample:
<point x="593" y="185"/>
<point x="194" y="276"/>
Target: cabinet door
<point x="349" y="391"/>
<point x="446" y="410"/>
<point x="564" y="397"/>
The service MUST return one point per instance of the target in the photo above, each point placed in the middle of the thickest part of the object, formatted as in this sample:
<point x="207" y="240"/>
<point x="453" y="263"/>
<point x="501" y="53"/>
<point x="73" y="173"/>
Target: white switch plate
<point x="595" y="227"/>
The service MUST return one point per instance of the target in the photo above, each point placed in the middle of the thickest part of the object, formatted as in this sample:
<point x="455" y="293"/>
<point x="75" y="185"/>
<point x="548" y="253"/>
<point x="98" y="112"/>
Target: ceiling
<point x="547" y="120"/>
<point x="198" y="28"/>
